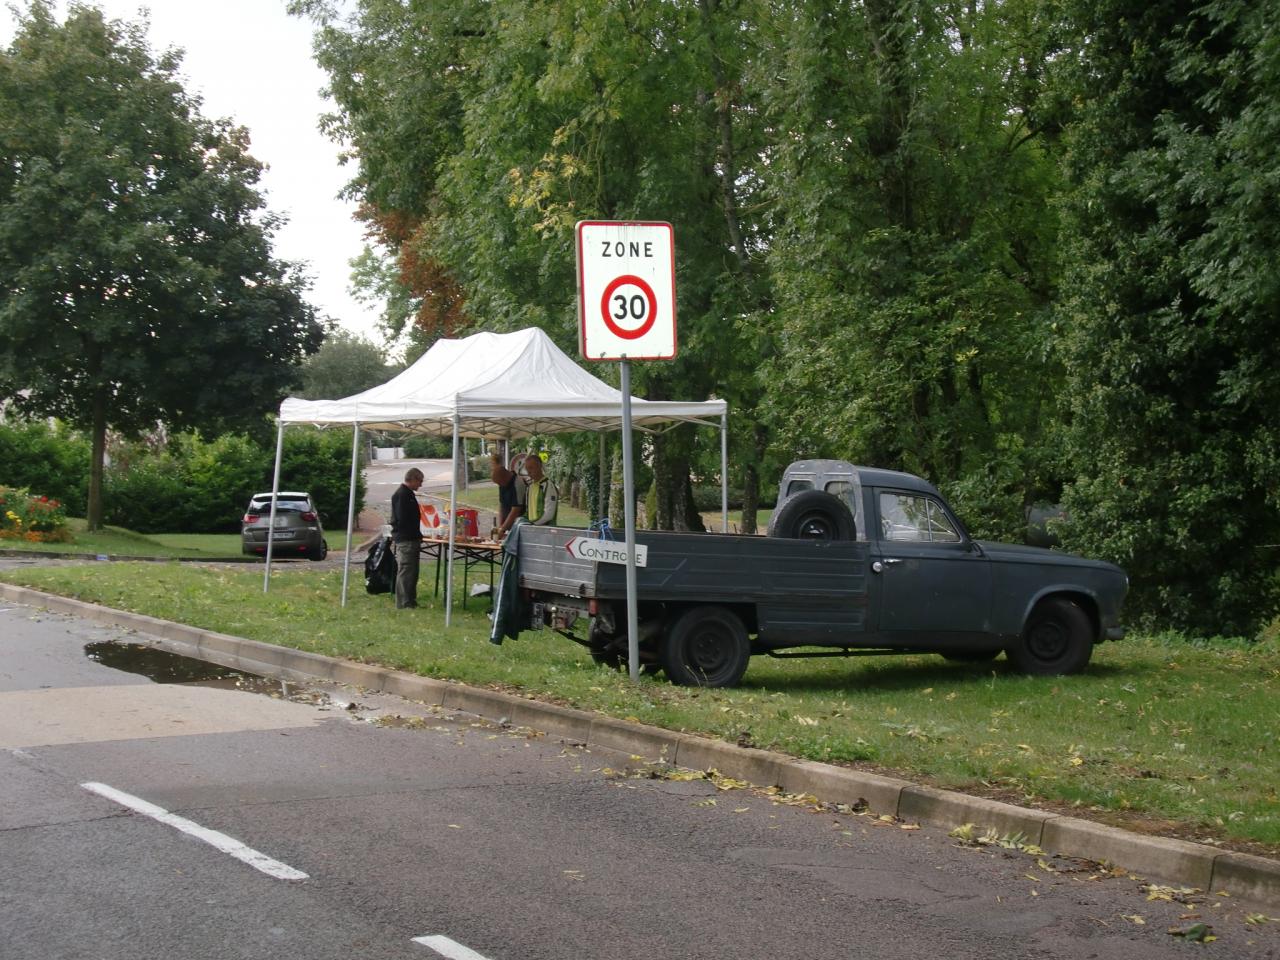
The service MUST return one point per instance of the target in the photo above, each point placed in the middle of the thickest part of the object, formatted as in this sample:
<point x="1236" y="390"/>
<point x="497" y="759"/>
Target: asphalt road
<point x="423" y="834"/>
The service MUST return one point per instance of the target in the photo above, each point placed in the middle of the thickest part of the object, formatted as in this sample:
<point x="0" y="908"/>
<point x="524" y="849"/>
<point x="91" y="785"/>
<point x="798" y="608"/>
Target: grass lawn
<point x="1162" y="735"/>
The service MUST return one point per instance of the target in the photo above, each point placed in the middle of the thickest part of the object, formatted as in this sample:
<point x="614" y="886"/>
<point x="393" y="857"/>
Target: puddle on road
<point x="162" y="666"/>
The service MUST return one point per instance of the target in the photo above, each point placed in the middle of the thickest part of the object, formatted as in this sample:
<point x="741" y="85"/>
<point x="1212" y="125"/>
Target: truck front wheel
<point x="1057" y="639"/>
<point x="706" y="647"/>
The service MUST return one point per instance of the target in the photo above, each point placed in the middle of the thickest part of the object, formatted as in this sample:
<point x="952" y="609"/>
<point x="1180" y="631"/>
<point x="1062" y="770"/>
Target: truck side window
<point x="798" y="486"/>
<point x="914" y="518"/>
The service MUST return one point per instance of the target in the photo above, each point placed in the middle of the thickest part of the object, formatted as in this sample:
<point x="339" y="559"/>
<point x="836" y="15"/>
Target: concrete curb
<point x="1248" y="878"/>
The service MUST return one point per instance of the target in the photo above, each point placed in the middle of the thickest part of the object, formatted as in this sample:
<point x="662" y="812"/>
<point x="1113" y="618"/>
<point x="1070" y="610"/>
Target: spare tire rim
<point x="816" y="526"/>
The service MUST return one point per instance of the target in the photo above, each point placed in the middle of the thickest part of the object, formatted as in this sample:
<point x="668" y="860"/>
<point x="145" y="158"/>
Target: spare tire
<point x="814" y="515"/>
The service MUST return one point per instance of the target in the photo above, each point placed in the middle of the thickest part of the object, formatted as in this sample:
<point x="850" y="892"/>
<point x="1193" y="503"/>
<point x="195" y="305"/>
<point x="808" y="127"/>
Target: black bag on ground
<point x="380" y="567"/>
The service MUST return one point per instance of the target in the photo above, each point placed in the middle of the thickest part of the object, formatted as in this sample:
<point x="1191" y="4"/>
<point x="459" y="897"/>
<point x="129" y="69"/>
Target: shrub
<point x="31" y="518"/>
<point x="222" y="474"/>
<point x="50" y="458"/>
<point x="151" y="496"/>
<point x="319" y="462"/>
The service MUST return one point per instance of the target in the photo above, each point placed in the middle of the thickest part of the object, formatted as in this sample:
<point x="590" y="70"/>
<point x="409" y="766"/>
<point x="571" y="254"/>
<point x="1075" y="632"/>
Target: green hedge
<point x="49" y="460"/>
<point x="191" y="485"/>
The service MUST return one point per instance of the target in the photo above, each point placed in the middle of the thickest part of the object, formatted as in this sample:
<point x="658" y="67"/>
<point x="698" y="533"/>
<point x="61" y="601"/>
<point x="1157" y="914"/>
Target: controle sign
<point x="605" y="551"/>
<point x="626" y="291"/>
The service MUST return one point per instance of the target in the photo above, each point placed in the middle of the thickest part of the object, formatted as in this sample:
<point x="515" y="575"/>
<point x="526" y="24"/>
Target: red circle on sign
<point x="611" y="322"/>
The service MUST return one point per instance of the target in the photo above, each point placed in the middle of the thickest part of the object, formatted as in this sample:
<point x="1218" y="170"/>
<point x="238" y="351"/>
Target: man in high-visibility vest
<point x="537" y="498"/>
<point x="541" y="498"/>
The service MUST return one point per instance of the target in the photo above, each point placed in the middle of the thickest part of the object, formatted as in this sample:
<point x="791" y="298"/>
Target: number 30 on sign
<point x="626" y="291"/>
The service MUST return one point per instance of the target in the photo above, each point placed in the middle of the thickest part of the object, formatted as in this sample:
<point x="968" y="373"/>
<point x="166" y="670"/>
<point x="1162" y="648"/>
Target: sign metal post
<point x="627" y="311"/>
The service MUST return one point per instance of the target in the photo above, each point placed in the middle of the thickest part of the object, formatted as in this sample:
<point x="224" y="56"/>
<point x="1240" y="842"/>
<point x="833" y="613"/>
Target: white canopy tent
<point x="494" y="386"/>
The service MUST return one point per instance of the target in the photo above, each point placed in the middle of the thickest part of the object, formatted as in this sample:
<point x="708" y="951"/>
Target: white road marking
<point x="449" y="948"/>
<point x="220" y="841"/>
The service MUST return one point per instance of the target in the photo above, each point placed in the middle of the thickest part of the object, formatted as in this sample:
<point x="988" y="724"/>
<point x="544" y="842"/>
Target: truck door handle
<point x="879" y="565"/>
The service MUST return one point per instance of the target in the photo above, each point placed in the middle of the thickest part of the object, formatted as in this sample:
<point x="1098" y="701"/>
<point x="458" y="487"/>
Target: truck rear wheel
<point x="813" y="515"/>
<point x="1057" y="639"/>
<point x="706" y="647"/>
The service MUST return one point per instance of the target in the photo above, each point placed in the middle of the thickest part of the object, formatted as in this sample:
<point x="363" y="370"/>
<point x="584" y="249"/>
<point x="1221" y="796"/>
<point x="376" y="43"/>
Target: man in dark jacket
<point x="407" y="534"/>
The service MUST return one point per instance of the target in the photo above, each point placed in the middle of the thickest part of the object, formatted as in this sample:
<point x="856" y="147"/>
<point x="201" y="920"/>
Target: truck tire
<point x="813" y="515"/>
<point x="706" y="647"/>
<point x="321" y="552"/>
<point x="1057" y="639"/>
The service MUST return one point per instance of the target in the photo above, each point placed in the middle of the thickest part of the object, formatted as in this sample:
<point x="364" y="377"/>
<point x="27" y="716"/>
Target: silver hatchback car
<point x="297" y="530"/>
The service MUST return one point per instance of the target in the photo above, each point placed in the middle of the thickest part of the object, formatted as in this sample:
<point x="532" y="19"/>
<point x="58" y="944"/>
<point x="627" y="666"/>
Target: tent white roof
<point x="498" y="386"/>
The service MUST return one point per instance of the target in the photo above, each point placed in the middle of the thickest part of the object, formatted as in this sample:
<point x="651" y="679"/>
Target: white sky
<point x="250" y="61"/>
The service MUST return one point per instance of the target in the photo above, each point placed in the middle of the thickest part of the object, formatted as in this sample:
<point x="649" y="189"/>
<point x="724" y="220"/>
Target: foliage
<point x="139" y="281"/>
<point x="428" y="448"/>
<point x="344" y="365"/>
<point x="1171" y="322"/>
<point x="35" y="519"/>
<point x="319" y="462"/>
<point x="192" y="485"/>
<point x="45" y="456"/>
<point x="150" y="496"/>
<point x="1023" y="249"/>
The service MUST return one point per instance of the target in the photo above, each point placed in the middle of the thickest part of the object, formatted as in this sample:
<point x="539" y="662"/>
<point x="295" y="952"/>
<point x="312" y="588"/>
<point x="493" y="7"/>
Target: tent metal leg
<point x="275" y="494"/>
<point x="724" y="473"/>
<point x="453" y="525"/>
<point x="351" y="510"/>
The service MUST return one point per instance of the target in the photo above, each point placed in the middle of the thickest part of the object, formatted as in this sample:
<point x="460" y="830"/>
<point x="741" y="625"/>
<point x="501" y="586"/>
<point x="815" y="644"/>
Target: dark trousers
<point x="407" y="557"/>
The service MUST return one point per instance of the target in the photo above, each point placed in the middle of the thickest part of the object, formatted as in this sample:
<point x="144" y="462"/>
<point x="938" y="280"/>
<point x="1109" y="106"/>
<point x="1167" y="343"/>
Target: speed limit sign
<point x="626" y="291"/>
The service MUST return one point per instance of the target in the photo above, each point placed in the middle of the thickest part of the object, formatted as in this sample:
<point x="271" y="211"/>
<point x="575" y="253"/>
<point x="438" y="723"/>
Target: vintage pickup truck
<point x="858" y="561"/>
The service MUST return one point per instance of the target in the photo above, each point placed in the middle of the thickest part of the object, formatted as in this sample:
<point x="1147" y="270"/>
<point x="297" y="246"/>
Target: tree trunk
<point x="93" y="513"/>
<point x="676" y="509"/>
<point x="751" y="482"/>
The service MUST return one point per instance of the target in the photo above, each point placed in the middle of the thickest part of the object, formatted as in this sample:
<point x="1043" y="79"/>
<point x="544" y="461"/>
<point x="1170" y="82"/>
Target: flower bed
<point x="33" y="519"/>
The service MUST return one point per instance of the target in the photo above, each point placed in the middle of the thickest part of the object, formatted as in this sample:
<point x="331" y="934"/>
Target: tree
<point x="1172" y="315"/>
<point x="345" y="364"/>
<point x="136" y="277"/>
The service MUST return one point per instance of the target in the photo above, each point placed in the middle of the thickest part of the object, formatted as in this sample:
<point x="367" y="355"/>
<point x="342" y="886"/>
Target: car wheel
<point x="322" y="552"/>
<point x="1057" y="639"/>
<point x="706" y="647"/>
<point x="813" y="515"/>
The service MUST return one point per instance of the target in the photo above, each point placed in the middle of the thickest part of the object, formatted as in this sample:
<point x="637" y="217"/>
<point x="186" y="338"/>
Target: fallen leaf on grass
<point x="741" y="809"/>
<point x="1134" y="919"/>
<point x="709" y="802"/>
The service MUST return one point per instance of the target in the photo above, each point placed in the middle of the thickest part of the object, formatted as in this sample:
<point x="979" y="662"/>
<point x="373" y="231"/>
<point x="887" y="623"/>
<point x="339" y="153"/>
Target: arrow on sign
<point x="604" y="551"/>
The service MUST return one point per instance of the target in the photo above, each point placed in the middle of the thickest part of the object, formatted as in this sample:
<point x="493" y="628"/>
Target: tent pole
<point x="351" y="510"/>
<point x="724" y="472"/>
<point x="602" y="500"/>
<point x="453" y="525"/>
<point x="275" y="493"/>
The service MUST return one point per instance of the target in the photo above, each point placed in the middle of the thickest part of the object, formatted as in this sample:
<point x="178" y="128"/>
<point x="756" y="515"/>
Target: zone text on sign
<point x="620" y="248"/>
